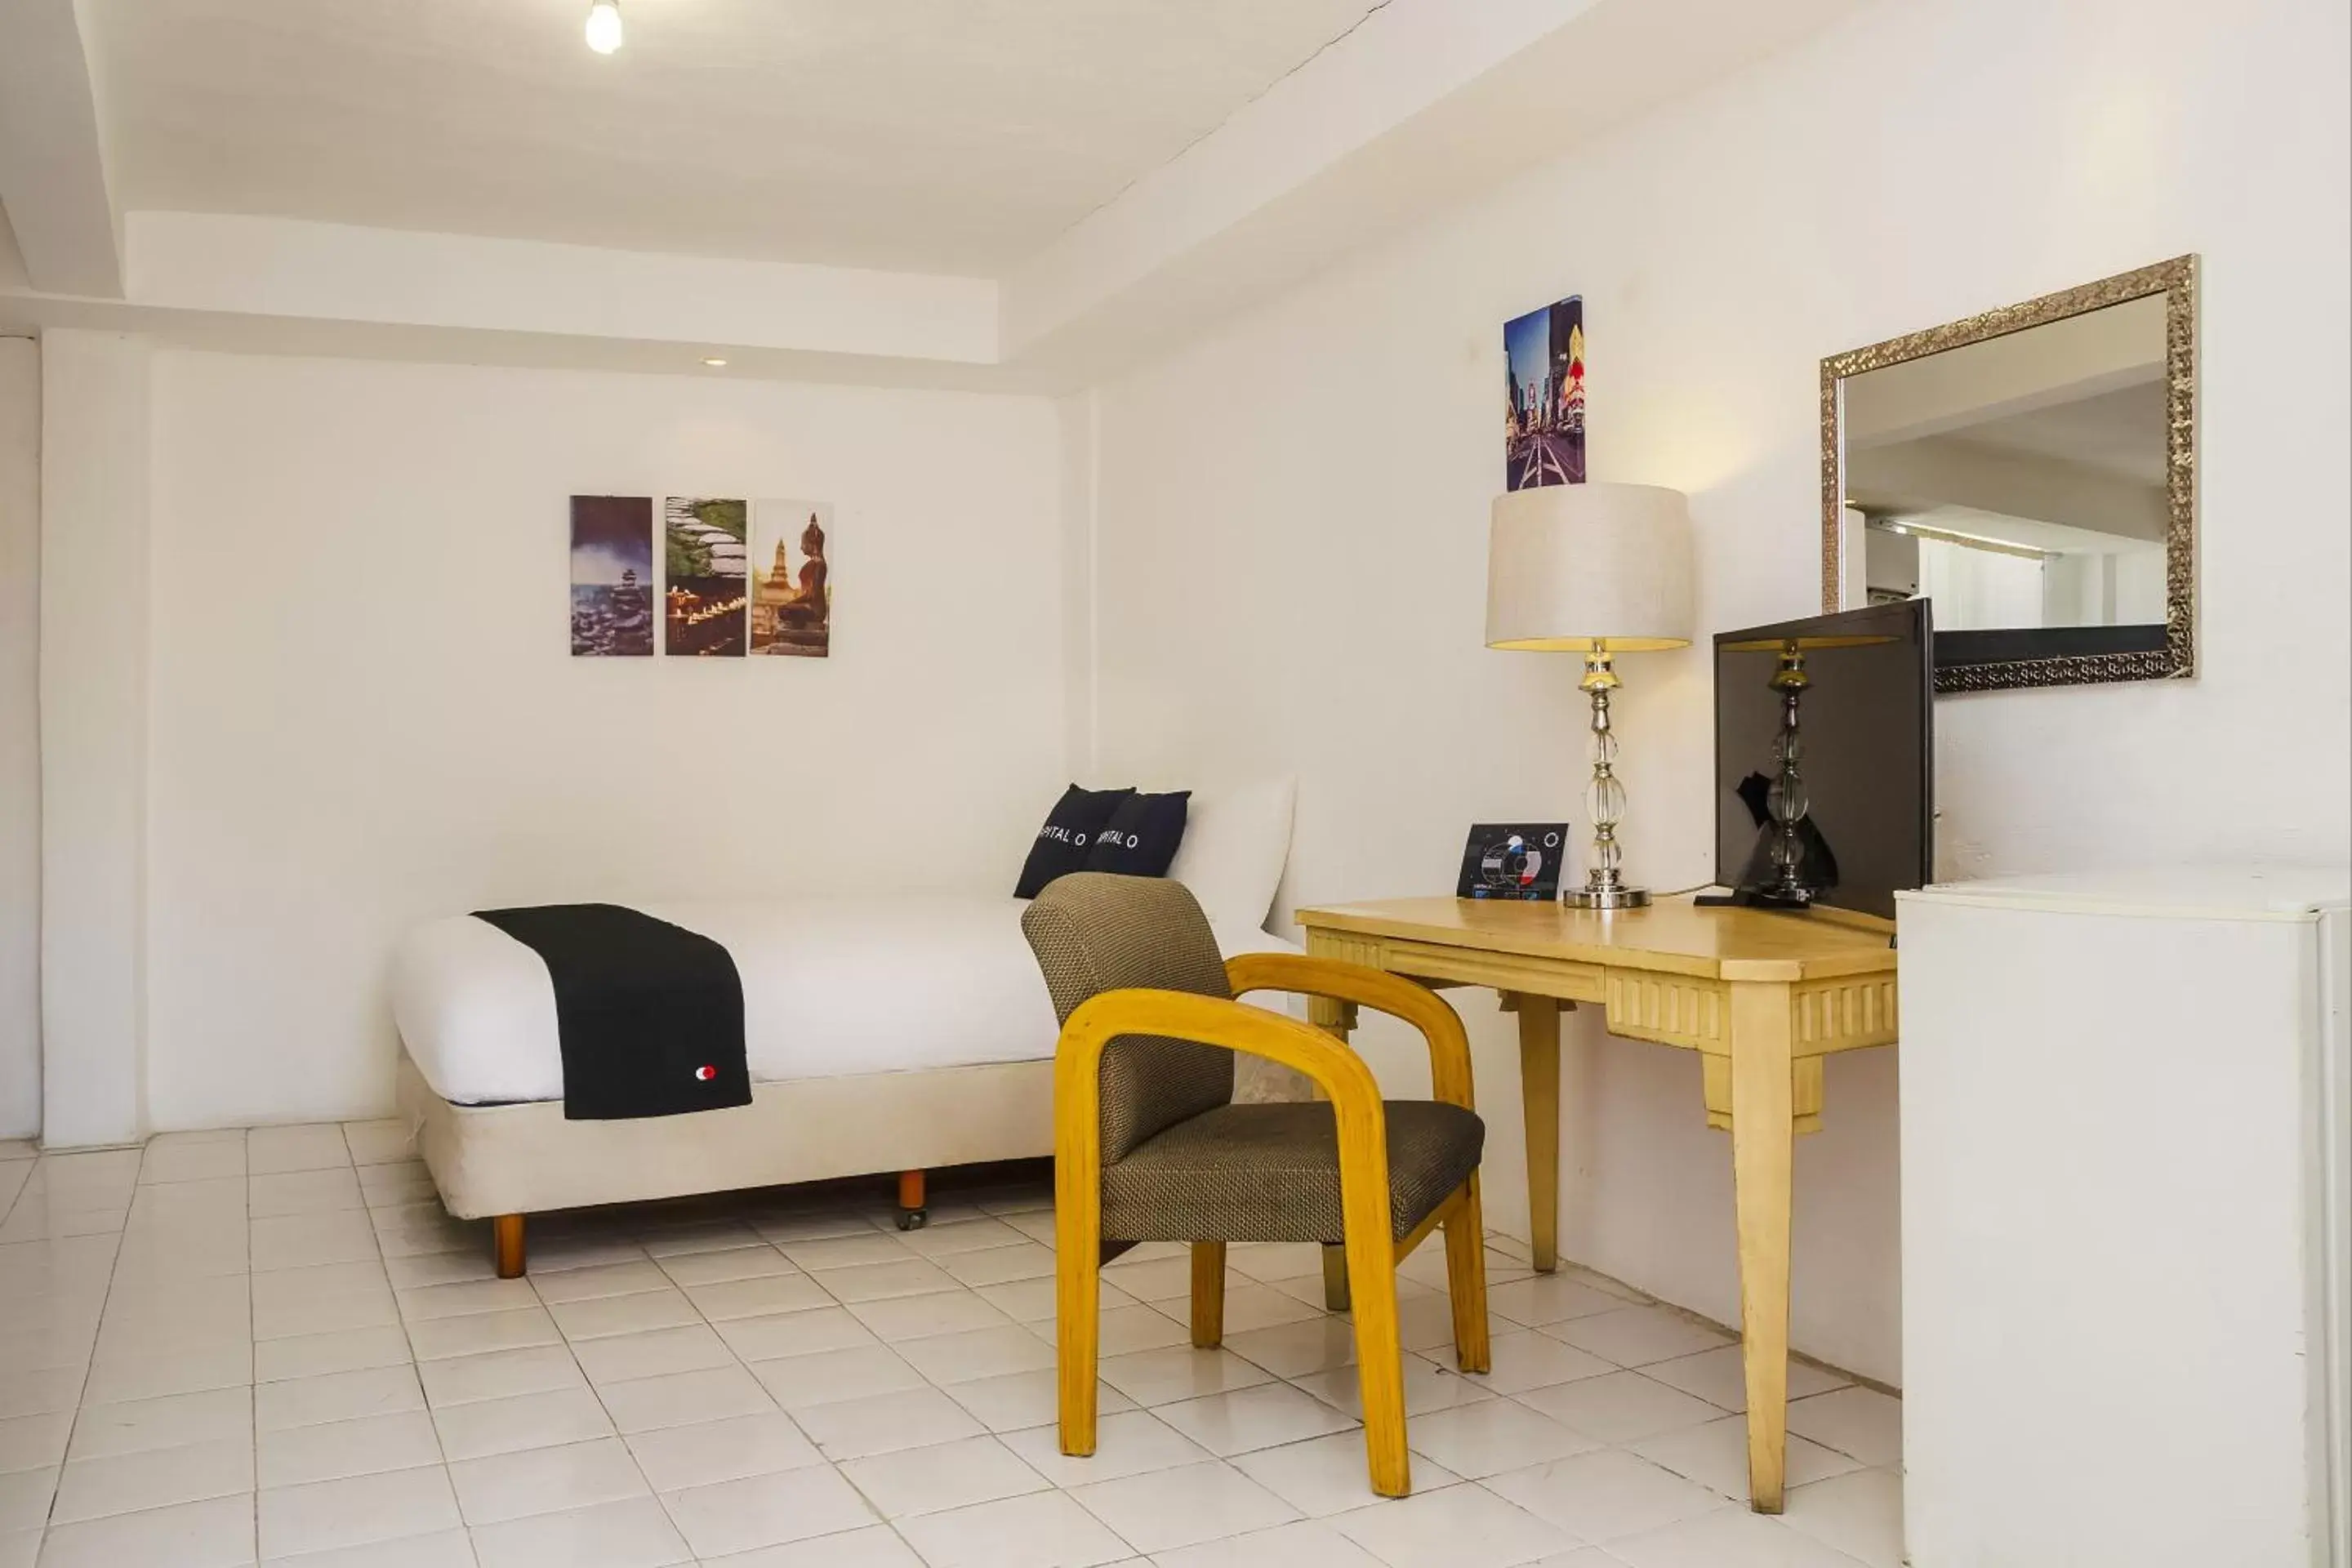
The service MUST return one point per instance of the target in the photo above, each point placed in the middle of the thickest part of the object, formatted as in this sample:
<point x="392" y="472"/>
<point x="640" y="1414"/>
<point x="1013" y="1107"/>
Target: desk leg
<point x="1540" y="1100"/>
<point x="1337" y="1019"/>
<point x="1763" y="1141"/>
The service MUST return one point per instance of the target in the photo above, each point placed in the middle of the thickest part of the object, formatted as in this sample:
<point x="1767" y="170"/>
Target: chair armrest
<point x="1425" y="1010"/>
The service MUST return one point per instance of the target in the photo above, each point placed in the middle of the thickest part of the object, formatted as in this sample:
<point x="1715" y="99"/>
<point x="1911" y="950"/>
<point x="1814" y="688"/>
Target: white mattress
<point x="830" y="986"/>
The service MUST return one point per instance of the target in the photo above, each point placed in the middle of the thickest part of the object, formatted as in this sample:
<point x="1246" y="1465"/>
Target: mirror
<point x="2032" y="472"/>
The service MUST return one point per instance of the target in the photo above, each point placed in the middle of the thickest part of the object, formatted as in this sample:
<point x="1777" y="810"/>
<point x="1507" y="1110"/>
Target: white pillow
<point x="1235" y="846"/>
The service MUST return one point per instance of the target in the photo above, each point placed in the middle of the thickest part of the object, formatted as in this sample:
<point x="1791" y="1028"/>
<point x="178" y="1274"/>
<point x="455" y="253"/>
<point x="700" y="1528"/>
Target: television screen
<point x="1856" y="686"/>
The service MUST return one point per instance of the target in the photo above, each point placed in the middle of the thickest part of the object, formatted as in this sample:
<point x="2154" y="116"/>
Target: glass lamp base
<point x="1611" y="898"/>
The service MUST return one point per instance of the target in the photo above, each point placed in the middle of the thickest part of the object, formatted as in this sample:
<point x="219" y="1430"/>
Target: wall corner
<point x="93" y="689"/>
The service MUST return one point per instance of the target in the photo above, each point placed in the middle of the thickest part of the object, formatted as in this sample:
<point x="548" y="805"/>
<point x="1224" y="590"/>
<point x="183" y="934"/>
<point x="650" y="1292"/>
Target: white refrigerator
<point x="2126" y="1108"/>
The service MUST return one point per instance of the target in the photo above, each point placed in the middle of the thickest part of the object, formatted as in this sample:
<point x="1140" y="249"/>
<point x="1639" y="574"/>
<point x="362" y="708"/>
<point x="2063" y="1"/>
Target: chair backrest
<point x="1093" y="932"/>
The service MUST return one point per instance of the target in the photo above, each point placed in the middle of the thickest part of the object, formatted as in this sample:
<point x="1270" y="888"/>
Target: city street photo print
<point x="1543" y="422"/>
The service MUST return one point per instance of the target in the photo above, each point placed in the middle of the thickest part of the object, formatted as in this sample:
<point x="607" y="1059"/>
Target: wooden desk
<point x="1761" y="996"/>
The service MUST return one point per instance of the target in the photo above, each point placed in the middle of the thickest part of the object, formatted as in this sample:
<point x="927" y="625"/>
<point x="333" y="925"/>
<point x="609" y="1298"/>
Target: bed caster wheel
<point x="914" y="1211"/>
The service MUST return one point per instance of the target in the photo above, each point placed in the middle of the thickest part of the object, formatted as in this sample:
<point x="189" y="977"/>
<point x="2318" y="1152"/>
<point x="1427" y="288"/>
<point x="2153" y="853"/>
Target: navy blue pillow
<point x="1140" y="838"/>
<point x="1069" y="836"/>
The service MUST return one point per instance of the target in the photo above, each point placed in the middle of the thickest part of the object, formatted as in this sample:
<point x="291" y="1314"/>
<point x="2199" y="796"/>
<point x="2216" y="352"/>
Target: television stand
<point x="1751" y="899"/>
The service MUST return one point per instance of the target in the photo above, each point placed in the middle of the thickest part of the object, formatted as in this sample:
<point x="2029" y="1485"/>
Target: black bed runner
<point x="649" y="1015"/>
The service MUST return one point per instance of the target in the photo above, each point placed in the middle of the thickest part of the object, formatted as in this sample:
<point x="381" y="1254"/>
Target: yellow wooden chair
<point x="1149" y="1146"/>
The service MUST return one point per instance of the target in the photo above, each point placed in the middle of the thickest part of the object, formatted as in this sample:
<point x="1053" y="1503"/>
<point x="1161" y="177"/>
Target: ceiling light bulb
<point x="604" y="26"/>
<point x="715" y="363"/>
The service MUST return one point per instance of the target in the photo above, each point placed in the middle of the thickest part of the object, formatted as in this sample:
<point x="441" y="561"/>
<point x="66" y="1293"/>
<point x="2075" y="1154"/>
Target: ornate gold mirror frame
<point x="2062" y="655"/>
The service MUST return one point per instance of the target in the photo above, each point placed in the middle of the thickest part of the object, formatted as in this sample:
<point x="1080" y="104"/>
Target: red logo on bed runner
<point x="705" y="1074"/>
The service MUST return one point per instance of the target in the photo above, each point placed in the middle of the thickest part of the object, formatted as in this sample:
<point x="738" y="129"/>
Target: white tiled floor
<point x="232" y="1348"/>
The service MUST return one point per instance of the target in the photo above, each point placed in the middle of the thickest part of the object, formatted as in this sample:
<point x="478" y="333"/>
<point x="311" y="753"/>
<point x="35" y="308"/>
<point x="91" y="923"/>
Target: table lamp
<point x="1600" y="570"/>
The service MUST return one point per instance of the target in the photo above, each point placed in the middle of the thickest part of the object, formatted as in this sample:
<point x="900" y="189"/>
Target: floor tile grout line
<point x="417" y="1362"/>
<point x="825" y="1458"/>
<point x="736" y="1358"/>
<point x="89" y="1366"/>
<point x="661" y="1500"/>
<point x="896" y="1525"/>
<point x="375" y="1239"/>
<point x="17" y="1196"/>
<point x="253" y="1336"/>
<point x="643" y="1239"/>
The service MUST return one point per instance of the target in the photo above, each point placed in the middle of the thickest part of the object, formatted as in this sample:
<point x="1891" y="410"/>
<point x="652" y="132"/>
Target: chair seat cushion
<point x="1271" y="1173"/>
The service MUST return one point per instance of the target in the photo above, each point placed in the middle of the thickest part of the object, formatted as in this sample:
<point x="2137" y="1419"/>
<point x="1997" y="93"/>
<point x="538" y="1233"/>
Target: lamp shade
<point x="1571" y="567"/>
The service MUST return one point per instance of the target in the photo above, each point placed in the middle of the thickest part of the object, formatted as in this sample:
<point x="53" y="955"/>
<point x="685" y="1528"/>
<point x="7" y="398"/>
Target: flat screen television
<point x="1856" y="691"/>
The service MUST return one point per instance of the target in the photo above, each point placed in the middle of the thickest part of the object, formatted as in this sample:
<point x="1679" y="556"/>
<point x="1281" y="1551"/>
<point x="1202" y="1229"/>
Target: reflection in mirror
<point x="2019" y="481"/>
<point x="2030" y="472"/>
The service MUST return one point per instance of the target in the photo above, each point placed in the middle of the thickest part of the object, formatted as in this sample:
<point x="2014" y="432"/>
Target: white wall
<point x="364" y="711"/>
<point x="20" y="748"/>
<point x="1291" y="519"/>
<point x="94" y="684"/>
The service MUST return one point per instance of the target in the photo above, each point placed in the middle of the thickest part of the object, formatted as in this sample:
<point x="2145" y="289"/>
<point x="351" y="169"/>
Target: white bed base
<point x="505" y="1161"/>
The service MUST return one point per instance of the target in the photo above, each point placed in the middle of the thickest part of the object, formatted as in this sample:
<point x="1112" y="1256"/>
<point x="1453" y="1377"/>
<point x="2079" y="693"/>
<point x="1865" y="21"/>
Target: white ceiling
<point x="924" y="135"/>
<point x="2122" y="432"/>
<point x="2032" y="533"/>
<point x="1023" y="194"/>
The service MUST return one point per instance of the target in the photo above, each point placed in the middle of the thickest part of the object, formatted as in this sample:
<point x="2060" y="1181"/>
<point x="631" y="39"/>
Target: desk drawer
<point x="1503" y="971"/>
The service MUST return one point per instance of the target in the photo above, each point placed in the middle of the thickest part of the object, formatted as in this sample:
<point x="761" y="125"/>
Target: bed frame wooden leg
<point x="505" y="1244"/>
<point x="912" y="1214"/>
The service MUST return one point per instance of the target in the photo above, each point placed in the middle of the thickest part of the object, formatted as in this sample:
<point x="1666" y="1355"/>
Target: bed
<point x="883" y="1035"/>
